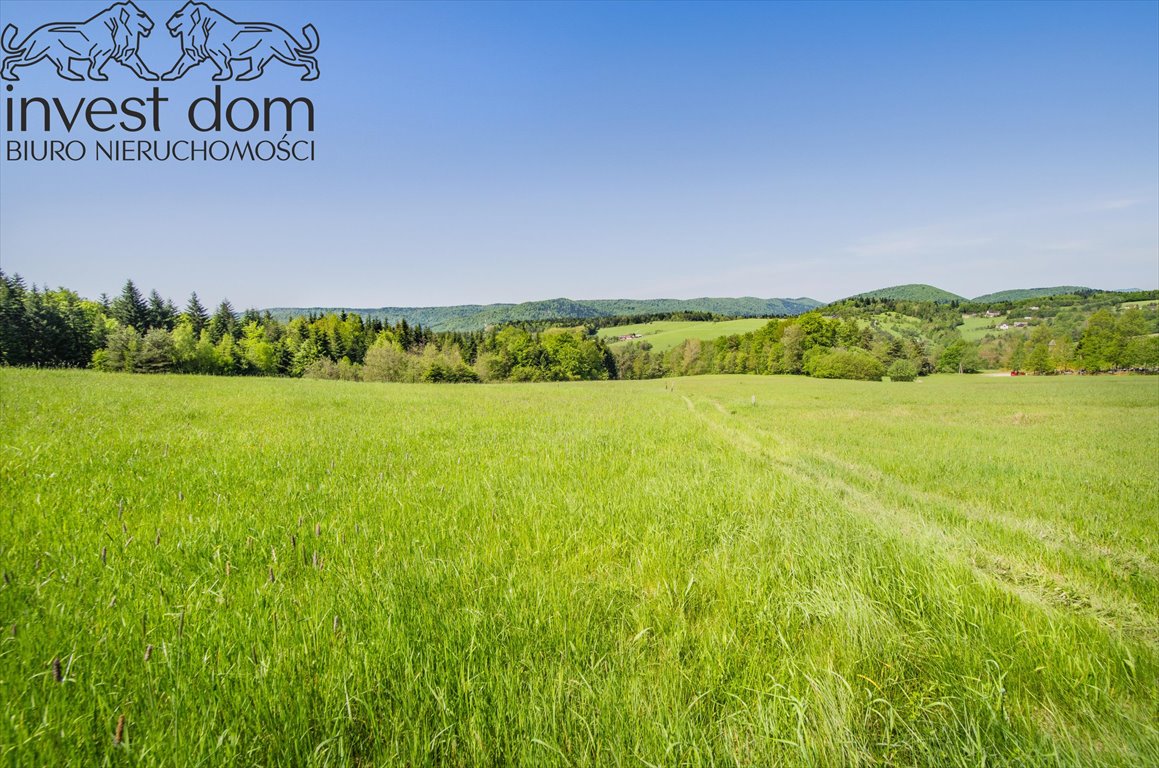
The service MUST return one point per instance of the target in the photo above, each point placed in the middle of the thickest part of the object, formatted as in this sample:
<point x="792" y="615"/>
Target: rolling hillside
<point x="1018" y="294"/>
<point x="665" y="334"/>
<point x="465" y="317"/>
<point x="912" y="292"/>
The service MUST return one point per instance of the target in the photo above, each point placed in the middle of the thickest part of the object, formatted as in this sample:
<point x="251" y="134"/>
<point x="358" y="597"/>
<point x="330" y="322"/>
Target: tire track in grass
<point x="863" y="486"/>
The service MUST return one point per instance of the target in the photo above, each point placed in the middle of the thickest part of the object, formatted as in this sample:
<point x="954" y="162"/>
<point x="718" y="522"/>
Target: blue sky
<point x="480" y="152"/>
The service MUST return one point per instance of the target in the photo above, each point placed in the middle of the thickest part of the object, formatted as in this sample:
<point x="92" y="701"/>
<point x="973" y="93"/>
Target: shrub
<point x="902" y="370"/>
<point x="843" y="364"/>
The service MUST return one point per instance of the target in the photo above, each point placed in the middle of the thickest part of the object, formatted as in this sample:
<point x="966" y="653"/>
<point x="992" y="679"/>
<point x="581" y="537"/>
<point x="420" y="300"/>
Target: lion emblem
<point x="111" y="35"/>
<point x="208" y="34"/>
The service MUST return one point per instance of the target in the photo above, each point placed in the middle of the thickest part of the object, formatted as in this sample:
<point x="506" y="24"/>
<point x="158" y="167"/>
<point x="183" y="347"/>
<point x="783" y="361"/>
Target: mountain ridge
<point x="464" y="317"/>
<point x="468" y="317"/>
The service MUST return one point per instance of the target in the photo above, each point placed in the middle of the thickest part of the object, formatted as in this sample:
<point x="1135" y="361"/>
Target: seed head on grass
<point x="56" y="673"/>
<point x="148" y="652"/>
<point x="104" y="555"/>
<point x="119" y="736"/>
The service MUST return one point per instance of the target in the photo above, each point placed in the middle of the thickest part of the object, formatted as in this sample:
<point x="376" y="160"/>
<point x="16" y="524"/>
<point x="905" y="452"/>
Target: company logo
<point x="111" y="35"/>
<point x="205" y="34"/>
<point x="166" y="124"/>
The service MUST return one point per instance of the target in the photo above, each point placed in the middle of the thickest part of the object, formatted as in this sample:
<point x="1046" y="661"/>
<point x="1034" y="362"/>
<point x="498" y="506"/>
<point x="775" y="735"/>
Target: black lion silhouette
<point x="111" y="35"/>
<point x="208" y="34"/>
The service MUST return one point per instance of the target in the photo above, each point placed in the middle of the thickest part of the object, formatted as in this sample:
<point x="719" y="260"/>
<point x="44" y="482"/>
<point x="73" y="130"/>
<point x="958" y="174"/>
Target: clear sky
<point x="480" y="152"/>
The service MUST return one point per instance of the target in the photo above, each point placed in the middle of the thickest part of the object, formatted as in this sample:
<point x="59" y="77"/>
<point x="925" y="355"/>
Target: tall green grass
<point x="956" y="572"/>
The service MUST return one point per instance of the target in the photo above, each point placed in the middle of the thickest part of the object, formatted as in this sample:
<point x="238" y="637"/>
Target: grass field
<point x="666" y="334"/>
<point x="962" y="571"/>
<point x="975" y="328"/>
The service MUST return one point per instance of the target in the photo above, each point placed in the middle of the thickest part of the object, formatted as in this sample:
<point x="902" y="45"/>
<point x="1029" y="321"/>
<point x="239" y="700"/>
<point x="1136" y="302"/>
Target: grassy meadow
<point x="728" y="571"/>
<point x="975" y="328"/>
<point x="666" y="334"/>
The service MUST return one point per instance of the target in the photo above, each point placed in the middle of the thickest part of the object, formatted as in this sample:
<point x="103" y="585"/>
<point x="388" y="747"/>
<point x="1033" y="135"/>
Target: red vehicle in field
<point x="1018" y="373"/>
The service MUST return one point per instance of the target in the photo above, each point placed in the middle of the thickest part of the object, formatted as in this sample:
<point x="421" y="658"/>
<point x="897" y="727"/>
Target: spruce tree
<point x="223" y="323"/>
<point x="172" y="315"/>
<point x="197" y="314"/>
<point x="159" y="312"/>
<point x="129" y="309"/>
<point x="15" y="333"/>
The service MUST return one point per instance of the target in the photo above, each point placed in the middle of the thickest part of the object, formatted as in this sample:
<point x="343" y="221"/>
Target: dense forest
<point x="858" y="338"/>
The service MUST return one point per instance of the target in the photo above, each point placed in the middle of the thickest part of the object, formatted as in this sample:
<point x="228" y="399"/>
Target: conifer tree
<point x="223" y="323"/>
<point x="197" y="314"/>
<point x="129" y="309"/>
<point x="160" y="313"/>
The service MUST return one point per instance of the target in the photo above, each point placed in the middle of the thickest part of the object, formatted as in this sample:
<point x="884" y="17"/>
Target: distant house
<point x="1004" y="327"/>
<point x="1034" y="309"/>
<point x="1020" y="325"/>
<point x="992" y="313"/>
<point x="629" y="337"/>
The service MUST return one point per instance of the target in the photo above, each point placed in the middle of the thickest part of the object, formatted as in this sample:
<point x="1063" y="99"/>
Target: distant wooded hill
<point x="469" y="317"/>
<point x="1031" y="293"/>
<point x="912" y="292"/>
<point x="922" y="292"/>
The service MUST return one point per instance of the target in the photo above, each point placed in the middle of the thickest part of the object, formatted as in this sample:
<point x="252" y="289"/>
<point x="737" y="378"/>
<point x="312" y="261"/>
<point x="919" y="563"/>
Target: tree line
<point x="852" y="339"/>
<point x="57" y="328"/>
